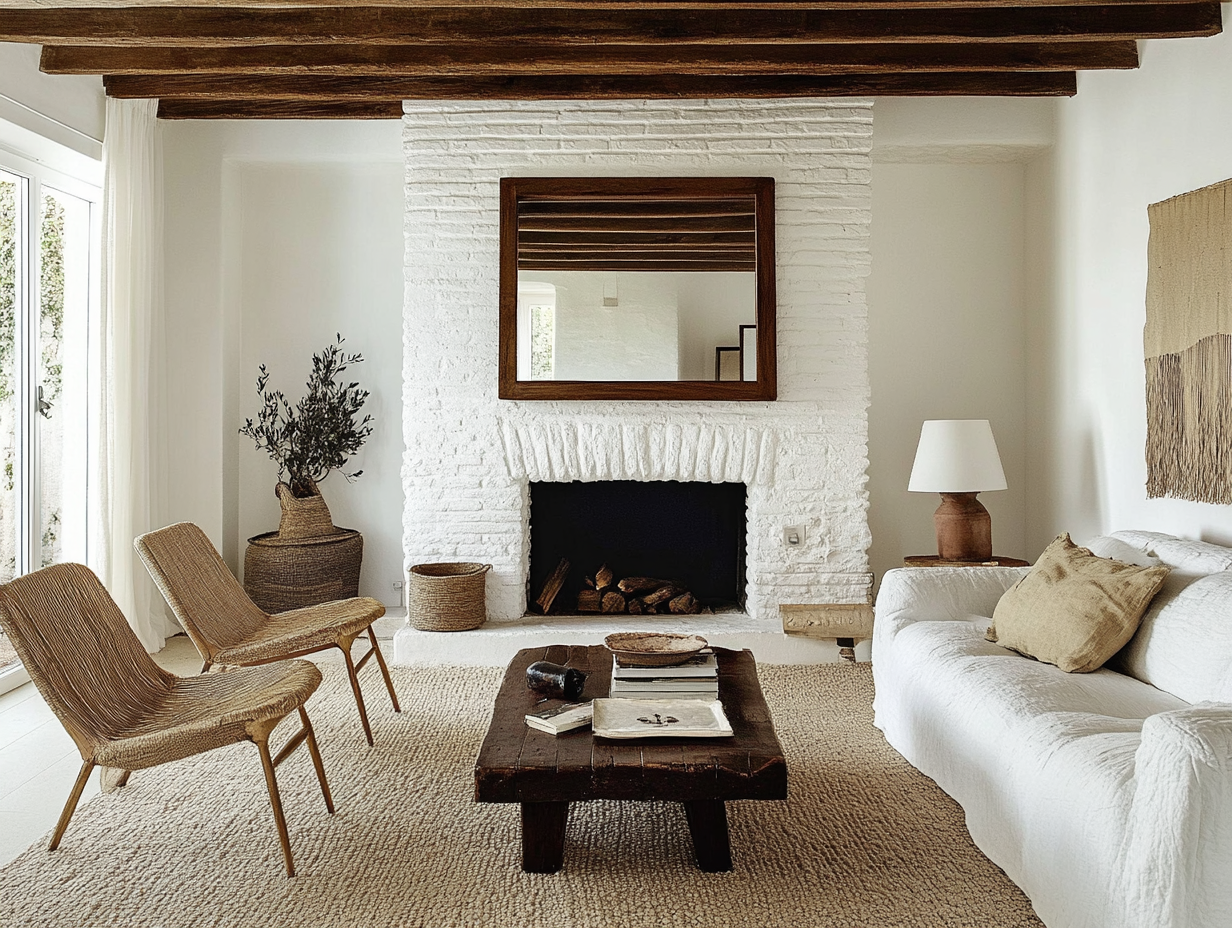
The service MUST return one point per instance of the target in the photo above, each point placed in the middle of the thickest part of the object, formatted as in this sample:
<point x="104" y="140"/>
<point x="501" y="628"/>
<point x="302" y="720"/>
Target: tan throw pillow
<point x="1074" y="609"/>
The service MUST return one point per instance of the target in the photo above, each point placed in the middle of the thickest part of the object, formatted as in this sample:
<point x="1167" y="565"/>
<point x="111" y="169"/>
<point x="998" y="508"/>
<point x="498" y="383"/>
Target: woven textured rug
<point x="864" y="839"/>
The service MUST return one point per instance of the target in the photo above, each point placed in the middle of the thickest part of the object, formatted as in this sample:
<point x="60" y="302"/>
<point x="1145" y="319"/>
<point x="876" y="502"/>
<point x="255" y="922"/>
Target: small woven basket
<point x="447" y="597"/>
<point x="303" y="517"/>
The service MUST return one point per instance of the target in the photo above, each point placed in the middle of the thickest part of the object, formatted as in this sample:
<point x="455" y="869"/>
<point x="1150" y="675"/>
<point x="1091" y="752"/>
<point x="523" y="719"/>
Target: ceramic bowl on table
<point x="653" y="649"/>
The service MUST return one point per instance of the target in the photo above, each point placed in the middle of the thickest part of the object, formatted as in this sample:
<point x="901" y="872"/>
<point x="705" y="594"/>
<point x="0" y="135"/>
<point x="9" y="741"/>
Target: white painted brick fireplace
<point x="470" y="456"/>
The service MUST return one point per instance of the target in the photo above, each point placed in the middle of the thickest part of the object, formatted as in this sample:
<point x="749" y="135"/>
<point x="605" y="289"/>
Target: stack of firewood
<point x="635" y="595"/>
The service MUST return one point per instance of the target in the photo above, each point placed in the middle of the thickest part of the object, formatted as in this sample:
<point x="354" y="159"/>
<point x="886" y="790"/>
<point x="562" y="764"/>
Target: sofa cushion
<point x="1196" y="557"/>
<point x="1117" y="550"/>
<point x="1184" y="645"/>
<point x="1073" y="609"/>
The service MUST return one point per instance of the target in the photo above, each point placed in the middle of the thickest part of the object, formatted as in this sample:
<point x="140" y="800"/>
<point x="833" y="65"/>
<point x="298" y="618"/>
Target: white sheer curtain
<point x="130" y="473"/>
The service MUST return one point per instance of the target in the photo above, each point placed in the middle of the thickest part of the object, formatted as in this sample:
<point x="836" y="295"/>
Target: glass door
<point x="48" y="287"/>
<point x="14" y="274"/>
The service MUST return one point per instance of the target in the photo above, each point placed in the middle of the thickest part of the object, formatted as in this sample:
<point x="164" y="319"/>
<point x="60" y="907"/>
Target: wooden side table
<point x="933" y="560"/>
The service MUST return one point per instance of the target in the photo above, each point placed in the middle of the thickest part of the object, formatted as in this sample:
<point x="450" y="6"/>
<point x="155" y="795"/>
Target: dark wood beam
<point x="341" y="89"/>
<point x="473" y="60"/>
<point x="634" y="224"/>
<point x="600" y="262"/>
<point x="528" y="241"/>
<point x="662" y="208"/>
<point x="604" y="22"/>
<point x="279" y="109"/>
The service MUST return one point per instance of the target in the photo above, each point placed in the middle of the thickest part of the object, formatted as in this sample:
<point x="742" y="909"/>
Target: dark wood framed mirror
<point x="637" y="288"/>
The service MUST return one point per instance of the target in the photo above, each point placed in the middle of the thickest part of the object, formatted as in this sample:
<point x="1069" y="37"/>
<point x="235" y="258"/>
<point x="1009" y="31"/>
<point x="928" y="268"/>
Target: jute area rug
<point x="864" y="840"/>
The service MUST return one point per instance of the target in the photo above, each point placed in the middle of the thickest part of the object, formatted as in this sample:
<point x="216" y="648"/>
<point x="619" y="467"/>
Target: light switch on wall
<point x="793" y="536"/>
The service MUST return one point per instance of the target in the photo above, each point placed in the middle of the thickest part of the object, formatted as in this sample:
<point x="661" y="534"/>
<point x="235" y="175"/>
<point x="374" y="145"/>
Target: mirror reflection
<point x="637" y="289"/>
<point x="637" y="325"/>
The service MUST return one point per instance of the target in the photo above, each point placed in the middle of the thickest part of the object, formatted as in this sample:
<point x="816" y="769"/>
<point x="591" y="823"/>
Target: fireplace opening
<point x="688" y="535"/>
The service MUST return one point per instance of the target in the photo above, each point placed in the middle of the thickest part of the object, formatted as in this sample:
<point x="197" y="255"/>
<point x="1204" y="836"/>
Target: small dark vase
<point x="555" y="680"/>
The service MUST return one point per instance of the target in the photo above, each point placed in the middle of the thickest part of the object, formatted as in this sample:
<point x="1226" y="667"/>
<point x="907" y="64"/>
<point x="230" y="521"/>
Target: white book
<point x="665" y="694"/>
<point x="673" y="686"/>
<point x="562" y="718"/>
<point x="703" y="664"/>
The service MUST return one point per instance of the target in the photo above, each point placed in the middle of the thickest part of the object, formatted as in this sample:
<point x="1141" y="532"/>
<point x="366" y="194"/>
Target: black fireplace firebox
<point x="689" y="533"/>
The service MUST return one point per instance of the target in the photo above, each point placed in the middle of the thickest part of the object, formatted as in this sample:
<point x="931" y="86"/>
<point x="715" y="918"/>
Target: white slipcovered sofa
<point x="1107" y="797"/>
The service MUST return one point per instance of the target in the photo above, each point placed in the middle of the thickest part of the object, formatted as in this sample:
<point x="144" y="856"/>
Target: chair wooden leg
<point x="359" y="696"/>
<point x="380" y="659"/>
<point x="112" y="778"/>
<point x="316" y="760"/>
<point x="71" y="806"/>
<point x="267" y="764"/>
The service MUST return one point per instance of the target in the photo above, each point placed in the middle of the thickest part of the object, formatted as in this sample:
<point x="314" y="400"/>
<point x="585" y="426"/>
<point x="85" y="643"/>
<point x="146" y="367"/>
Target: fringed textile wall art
<point x="1188" y="346"/>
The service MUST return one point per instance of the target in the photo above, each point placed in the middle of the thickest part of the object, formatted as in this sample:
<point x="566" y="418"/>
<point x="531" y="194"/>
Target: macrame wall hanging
<point x="1188" y="346"/>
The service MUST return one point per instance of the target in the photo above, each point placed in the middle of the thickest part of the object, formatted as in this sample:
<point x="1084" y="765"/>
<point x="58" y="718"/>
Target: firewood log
<point x="603" y="578"/>
<point x="636" y="606"/>
<point x="552" y="586"/>
<point x="641" y="584"/>
<point x="612" y="602"/>
<point x="685" y="604"/>
<point x="661" y="595"/>
<point x="589" y="601"/>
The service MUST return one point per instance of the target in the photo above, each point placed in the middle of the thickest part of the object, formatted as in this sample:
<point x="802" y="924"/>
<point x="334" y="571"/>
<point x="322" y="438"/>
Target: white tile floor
<point x="39" y="762"/>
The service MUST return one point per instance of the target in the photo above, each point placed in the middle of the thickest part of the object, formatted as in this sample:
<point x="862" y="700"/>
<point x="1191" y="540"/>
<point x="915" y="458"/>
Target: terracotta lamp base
<point x="964" y="528"/>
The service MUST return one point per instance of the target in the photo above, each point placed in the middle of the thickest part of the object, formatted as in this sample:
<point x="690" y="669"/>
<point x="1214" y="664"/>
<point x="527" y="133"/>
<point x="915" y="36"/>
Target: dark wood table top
<point x="520" y="764"/>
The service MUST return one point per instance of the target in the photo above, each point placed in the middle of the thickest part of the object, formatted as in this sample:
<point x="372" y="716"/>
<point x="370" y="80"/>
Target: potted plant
<point x="311" y="439"/>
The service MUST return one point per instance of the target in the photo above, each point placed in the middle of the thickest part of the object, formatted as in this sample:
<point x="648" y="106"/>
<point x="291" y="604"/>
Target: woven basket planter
<point x="447" y="597"/>
<point x="303" y="516"/>
<point x="287" y="573"/>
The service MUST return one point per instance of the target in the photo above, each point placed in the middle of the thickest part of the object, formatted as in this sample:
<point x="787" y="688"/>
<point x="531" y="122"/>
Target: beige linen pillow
<point x="1074" y="609"/>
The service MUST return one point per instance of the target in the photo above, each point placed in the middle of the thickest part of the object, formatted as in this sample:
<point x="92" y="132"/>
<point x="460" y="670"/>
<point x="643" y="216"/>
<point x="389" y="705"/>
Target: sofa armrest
<point x="1178" y="850"/>
<point x="932" y="594"/>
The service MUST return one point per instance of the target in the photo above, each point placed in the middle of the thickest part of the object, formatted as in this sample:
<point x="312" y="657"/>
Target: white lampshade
<point x="956" y="456"/>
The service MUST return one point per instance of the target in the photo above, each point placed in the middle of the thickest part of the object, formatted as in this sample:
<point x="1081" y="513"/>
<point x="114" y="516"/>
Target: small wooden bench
<point x="545" y="773"/>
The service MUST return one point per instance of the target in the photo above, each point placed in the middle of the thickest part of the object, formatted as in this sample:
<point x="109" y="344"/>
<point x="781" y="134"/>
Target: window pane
<point x="64" y="285"/>
<point x="11" y="189"/>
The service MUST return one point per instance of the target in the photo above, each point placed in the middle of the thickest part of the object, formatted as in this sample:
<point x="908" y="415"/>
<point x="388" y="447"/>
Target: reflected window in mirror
<point x="637" y="288"/>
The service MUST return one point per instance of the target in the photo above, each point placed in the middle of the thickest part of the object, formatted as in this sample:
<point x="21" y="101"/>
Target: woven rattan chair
<point x="124" y="711"/>
<point x="228" y="628"/>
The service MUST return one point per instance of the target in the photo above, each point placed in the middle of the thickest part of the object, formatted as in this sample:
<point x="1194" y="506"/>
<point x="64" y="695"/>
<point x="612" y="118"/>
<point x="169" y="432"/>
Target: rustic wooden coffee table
<point x="546" y="773"/>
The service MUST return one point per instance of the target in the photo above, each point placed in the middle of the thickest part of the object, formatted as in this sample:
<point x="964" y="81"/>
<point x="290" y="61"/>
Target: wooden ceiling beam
<point x="762" y="21"/>
<point x="472" y="60"/>
<point x="340" y="90"/>
<point x="279" y="109"/>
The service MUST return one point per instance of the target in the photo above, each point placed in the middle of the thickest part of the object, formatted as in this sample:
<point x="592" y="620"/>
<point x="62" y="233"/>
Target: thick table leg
<point x="543" y="836"/>
<point x="708" y="826"/>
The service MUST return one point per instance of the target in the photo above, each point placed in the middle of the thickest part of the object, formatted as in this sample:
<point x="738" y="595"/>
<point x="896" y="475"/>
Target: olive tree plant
<point x="320" y="432"/>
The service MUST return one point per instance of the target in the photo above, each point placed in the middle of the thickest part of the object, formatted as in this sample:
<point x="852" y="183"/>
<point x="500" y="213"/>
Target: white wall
<point x="946" y="331"/>
<point x="712" y="308"/>
<point x="946" y="301"/>
<point x="280" y="234"/>
<point x="66" y="108"/>
<point x="635" y="340"/>
<point x="1127" y="140"/>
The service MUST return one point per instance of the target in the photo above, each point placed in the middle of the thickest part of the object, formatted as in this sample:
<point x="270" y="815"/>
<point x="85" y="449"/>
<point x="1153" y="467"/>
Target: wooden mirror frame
<point x="518" y="189"/>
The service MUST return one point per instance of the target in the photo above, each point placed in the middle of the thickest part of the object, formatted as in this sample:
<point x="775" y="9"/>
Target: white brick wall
<point x="470" y="456"/>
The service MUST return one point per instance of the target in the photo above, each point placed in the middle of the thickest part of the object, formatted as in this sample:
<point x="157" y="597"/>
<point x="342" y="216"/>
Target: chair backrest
<point x="81" y="653"/>
<point x="204" y="595"/>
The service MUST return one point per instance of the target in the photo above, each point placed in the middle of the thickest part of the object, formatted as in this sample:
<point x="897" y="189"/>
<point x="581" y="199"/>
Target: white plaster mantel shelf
<point x="494" y="643"/>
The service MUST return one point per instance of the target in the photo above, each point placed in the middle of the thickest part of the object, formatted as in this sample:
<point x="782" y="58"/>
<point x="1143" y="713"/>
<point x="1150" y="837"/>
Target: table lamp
<point x="958" y="459"/>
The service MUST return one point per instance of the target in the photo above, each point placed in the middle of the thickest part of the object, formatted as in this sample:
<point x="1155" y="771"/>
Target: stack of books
<point x="696" y="678"/>
<point x="558" y="720"/>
